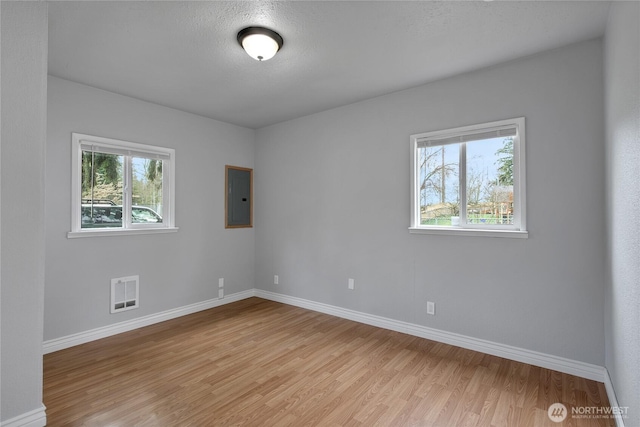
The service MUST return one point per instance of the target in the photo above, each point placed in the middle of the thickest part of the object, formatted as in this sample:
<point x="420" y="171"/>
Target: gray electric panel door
<point x="239" y="197"/>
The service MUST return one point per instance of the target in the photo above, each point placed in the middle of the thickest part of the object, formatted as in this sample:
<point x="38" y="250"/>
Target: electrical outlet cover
<point x="431" y="308"/>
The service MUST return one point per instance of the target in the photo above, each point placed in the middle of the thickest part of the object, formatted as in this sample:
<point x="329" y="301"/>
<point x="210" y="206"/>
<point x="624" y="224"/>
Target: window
<point x="470" y="180"/>
<point x="120" y="187"/>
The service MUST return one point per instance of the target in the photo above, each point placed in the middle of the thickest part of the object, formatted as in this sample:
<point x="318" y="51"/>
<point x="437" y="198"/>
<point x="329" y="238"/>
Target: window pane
<point x="146" y="197"/>
<point x="102" y="183"/>
<point x="438" y="170"/>
<point x="490" y="181"/>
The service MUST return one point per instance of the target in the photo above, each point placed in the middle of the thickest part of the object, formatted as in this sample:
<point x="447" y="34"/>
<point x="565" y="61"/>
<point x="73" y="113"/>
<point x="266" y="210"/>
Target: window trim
<point x="519" y="228"/>
<point x="125" y="148"/>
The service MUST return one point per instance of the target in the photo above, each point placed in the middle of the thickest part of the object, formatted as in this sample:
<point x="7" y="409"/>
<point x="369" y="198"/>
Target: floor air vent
<point x="124" y="293"/>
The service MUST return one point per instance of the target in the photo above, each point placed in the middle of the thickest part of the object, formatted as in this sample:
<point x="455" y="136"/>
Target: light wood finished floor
<point x="261" y="363"/>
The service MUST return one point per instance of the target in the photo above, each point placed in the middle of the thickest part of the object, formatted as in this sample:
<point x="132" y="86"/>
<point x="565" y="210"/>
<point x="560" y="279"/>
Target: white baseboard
<point x="613" y="400"/>
<point x="35" y="418"/>
<point x="106" y="331"/>
<point x="568" y="366"/>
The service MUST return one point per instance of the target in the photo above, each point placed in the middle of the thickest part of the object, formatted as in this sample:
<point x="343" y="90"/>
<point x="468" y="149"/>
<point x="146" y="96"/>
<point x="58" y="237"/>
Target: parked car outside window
<point x="107" y="214"/>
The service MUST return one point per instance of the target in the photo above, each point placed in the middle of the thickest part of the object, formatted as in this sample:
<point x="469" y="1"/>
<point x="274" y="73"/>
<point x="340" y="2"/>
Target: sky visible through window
<point x="139" y="168"/>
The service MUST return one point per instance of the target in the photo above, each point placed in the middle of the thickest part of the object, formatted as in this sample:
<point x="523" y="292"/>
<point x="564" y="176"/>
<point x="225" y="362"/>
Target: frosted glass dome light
<point x="260" y="43"/>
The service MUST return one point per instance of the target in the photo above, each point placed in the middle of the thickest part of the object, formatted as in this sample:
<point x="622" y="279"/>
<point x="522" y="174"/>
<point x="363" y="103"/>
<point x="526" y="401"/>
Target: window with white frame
<point x="470" y="180"/>
<point x="120" y="187"/>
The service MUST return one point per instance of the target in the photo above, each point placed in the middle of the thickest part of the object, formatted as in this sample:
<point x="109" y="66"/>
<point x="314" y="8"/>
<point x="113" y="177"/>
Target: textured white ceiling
<point x="185" y="54"/>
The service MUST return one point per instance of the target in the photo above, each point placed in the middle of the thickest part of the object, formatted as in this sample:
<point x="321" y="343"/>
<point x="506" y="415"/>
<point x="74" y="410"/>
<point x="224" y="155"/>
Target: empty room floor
<point x="260" y="363"/>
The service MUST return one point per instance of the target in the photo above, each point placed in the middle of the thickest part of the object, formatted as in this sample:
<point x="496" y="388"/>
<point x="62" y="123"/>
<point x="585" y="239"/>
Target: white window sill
<point x="119" y="232"/>
<point x="454" y="231"/>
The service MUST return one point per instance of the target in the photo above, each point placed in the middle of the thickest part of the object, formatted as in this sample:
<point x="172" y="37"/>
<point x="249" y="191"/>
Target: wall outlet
<point x="220" y="293"/>
<point x="276" y="279"/>
<point x="431" y="308"/>
<point x="352" y="284"/>
<point x="221" y="282"/>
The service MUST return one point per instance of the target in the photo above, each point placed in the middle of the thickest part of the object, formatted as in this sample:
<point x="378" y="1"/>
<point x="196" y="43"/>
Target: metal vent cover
<point x="125" y="293"/>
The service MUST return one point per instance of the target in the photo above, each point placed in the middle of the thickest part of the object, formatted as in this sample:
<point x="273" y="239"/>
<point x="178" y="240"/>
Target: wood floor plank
<point x="261" y="363"/>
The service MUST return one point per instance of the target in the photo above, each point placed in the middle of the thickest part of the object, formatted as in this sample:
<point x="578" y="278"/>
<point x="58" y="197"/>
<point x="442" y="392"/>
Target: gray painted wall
<point x="175" y="269"/>
<point x="622" y="85"/>
<point x="24" y="91"/>
<point x="332" y="202"/>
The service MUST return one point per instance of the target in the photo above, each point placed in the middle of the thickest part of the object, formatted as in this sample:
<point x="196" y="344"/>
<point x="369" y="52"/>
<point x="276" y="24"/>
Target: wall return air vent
<point x="125" y="293"/>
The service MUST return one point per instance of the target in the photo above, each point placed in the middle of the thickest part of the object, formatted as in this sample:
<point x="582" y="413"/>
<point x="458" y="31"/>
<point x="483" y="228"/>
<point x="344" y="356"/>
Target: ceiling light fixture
<point x="259" y="42"/>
